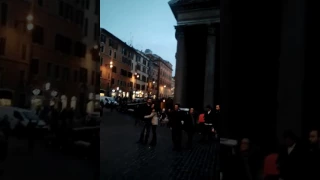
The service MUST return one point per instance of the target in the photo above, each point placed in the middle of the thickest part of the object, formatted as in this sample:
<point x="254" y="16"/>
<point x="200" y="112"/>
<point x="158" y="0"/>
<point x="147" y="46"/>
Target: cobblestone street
<point x="121" y="158"/>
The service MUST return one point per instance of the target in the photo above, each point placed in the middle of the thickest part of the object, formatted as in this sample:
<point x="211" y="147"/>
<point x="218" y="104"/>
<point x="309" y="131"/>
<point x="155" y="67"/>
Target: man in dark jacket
<point x="208" y="124"/>
<point x="175" y="123"/>
<point x="312" y="159"/>
<point x="146" y="110"/>
<point x="290" y="158"/>
<point x="190" y="126"/>
<point x="216" y="120"/>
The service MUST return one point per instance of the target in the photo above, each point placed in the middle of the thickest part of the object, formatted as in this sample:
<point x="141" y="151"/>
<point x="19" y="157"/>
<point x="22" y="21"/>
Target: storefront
<point x="6" y="97"/>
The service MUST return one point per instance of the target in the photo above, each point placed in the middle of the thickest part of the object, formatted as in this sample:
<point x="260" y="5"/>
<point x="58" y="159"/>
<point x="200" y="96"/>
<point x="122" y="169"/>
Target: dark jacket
<point x="146" y="110"/>
<point x="208" y="118"/>
<point x="312" y="163"/>
<point x="290" y="165"/>
<point x="175" y="119"/>
<point x="216" y="120"/>
<point x="190" y="121"/>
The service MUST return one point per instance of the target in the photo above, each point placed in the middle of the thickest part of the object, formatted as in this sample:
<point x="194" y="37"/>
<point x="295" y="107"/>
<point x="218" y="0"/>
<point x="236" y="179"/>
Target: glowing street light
<point x="111" y="64"/>
<point x="164" y="86"/>
<point x="29" y="26"/>
<point x="30" y="17"/>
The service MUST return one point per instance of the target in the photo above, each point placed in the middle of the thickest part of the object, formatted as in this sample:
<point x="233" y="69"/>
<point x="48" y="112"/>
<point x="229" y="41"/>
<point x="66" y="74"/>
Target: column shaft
<point x="209" y="68"/>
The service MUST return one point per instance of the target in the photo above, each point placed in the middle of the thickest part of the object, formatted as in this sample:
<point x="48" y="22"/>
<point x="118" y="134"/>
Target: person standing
<point x="175" y="124"/>
<point x="144" y="136"/>
<point x="290" y="158"/>
<point x="190" y="126"/>
<point x="216" y="120"/>
<point x="208" y="124"/>
<point x="154" y="123"/>
<point x="312" y="159"/>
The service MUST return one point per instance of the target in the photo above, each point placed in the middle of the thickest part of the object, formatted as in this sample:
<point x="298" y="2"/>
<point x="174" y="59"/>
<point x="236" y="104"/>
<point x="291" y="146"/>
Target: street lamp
<point x="30" y="25"/>
<point x="111" y="66"/>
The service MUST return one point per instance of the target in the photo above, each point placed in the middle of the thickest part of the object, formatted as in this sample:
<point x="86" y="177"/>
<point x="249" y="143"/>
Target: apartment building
<point x="116" y="80"/>
<point x="49" y="46"/>
<point x="140" y="71"/>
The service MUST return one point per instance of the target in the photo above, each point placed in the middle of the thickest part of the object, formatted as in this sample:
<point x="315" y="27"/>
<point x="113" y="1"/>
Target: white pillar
<point x="209" y="68"/>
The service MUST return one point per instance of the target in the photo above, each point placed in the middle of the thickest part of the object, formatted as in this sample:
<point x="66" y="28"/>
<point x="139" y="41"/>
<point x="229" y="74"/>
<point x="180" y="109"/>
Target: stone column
<point x="180" y="76"/>
<point x="209" y="68"/>
<point x="291" y="68"/>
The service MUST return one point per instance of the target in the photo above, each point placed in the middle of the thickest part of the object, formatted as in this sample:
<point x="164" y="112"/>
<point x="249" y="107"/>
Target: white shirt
<point x="290" y="149"/>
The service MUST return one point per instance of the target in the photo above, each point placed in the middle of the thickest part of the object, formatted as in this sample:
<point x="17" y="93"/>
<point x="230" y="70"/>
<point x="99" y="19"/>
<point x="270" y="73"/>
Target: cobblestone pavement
<point x="121" y="158"/>
<point x="44" y="164"/>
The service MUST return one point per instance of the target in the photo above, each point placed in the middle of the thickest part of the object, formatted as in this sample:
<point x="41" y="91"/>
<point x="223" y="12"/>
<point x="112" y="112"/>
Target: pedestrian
<point x="190" y="126"/>
<point x="290" y="159"/>
<point x="154" y="123"/>
<point x="31" y="127"/>
<point x="208" y="124"/>
<point x="3" y="150"/>
<point x="312" y="158"/>
<point x="146" y="110"/>
<point x="175" y="124"/>
<point x="216" y="121"/>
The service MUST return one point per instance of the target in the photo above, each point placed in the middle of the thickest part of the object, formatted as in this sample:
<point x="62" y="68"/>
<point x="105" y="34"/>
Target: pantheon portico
<point x="197" y="34"/>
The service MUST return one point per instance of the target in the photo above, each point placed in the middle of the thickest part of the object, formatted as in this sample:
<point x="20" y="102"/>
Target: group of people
<point x="178" y="120"/>
<point x="294" y="160"/>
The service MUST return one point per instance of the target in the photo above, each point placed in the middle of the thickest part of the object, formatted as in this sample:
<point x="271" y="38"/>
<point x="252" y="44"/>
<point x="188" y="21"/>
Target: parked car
<point x="19" y="116"/>
<point x="108" y="101"/>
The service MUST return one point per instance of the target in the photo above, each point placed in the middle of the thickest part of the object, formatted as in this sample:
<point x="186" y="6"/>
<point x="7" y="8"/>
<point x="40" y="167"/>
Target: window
<point x="80" y="49"/>
<point x="143" y="87"/>
<point x="138" y="67"/>
<point x="75" y="76"/>
<point x="4" y="14"/>
<point x="93" y="75"/>
<point x="138" y="86"/>
<point x="65" y="74"/>
<point x="40" y="3"/>
<point x="34" y="66"/>
<point x="103" y="38"/>
<point x="49" y="70"/>
<point x="57" y="71"/>
<point x="2" y="46"/>
<point x="144" y="79"/>
<point x="115" y="55"/>
<point x="101" y="48"/>
<point x="144" y="62"/>
<point x="97" y="7"/>
<point x="38" y="35"/>
<point x="83" y="75"/>
<point x="63" y="44"/>
<point x="130" y="74"/>
<point x="22" y="76"/>
<point x="118" y="82"/>
<point x="114" y="69"/>
<point x="87" y="4"/>
<point x="24" y="52"/>
<point x="96" y="32"/>
<point x="131" y="84"/>
<point x="110" y="52"/>
<point x="61" y="8"/>
<point x="112" y="81"/>
<point x="68" y="13"/>
<point x="123" y="72"/>
<point x="79" y="17"/>
<point x="98" y="78"/>
<point x="86" y="27"/>
<point x="144" y="69"/>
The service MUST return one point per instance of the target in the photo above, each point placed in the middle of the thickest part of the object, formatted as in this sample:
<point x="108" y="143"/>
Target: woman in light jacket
<point x="154" y="122"/>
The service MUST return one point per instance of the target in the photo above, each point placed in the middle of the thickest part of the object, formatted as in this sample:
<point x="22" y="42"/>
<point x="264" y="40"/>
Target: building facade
<point x="116" y="59"/>
<point x="201" y="18"/>
<point x="172" y="86"/>
<point x="49" y="46"/>
<point x="153" y="79"/>
<point x="140" y="72"/>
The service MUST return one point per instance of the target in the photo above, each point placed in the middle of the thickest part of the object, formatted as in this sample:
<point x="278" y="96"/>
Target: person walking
<point x="144" y="135"/>
<point x="190" y="126"/>
<point x="175" y="124"/>
<point x="208" y="125"/>
<point x="154" y="123"/>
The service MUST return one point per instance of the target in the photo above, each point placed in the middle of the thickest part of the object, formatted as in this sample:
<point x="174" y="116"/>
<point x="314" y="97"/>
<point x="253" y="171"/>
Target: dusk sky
<point x="148" y="24"/>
